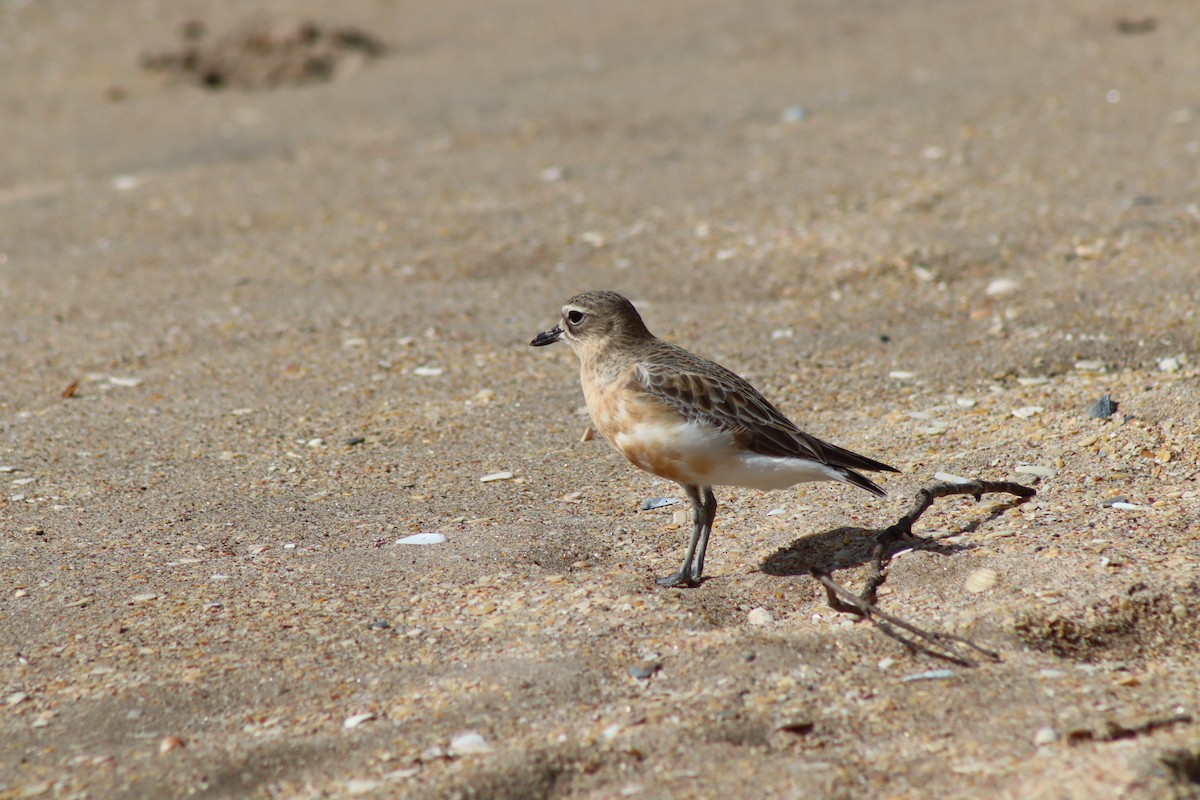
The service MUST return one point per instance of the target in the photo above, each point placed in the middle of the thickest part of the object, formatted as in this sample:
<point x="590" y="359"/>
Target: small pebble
<point x="468" y="743"/>
<point x="760" y="616"/>
<point x="379" y="624"/>
<point x="358" y="719"/>
<point x="1114" y="500"/>
<point x="1102" y="408"/>
<point x="793" y="114"/>
<point x="949" y="477"/>
<point x="1025" y="412"/>
<point x="901" y="375"/>
<point x="1169" y="364"/>
<point x="886" y="663"/>
<point x="800" y="726"/>
<point x="1044" y="736"/>
<point x="20" y="697"/>
<point x="774" y="512"/>
<point x="643" y="670"/>
<point x="422" y="538"/>
<point x="428" y="372"/>
<point x="496" y="476"/>
<point x="1033" y="380"/>
<point x="1126" y="506"/>
<point x="125" y="382"/>
<point x="1091" y="366"/>
<point x="144" y="598"/>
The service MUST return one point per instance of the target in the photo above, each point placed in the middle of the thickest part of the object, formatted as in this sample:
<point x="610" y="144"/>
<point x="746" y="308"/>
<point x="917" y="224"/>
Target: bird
<point x="682" y="417"/>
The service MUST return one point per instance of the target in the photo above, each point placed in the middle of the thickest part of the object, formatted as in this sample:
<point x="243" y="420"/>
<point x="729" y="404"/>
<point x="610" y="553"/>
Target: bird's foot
<point x="679" y="580"/>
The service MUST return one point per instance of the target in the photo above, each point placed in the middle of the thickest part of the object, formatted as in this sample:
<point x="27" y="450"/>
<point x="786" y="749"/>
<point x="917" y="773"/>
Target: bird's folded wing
<point x="727" y="401"/>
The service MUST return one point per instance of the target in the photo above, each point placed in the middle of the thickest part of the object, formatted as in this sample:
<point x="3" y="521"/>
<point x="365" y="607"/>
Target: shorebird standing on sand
<point x="688" y="419"/>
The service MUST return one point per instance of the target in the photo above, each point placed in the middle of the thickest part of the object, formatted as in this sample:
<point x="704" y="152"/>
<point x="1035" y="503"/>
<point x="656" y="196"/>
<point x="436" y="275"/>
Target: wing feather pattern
<point x="701" y="390"/>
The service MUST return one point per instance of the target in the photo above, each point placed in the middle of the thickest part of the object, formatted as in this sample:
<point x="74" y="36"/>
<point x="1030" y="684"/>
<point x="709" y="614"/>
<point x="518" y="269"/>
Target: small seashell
<point x="125" y="382"/>
<point x="1091" y="365"/>
<point x="1045" y="736"/>
<point x="358" y="719"/>
<point x="930" y="675"/>
<point x="759" y="616"/>
<point x="1033" y="380"/>
<point x="651" y="503"/>
<point x="468" y="743"/>
<point x="428" y="372"/>
<point x="144" y="598"/>
<point x="949" y="477"/>
<point x="170" y="743"/>
<point x="981" y="580"/>
<point x="1169" y="364"/>
<point x="496" y="476"/>
<point x="422" y="538"/>
<point x="1001" y="286"/>
<point x="1025" y="412"/>
<point x="901" y="375"/>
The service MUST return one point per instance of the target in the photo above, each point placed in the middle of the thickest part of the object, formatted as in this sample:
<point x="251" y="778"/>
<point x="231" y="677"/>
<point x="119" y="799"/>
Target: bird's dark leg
<point x="710" y="514"/>
<point x="689" y="573"/>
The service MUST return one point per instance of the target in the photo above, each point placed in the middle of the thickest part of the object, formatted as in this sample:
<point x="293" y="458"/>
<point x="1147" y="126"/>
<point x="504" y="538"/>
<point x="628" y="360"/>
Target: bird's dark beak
<point x="547" y="337"/>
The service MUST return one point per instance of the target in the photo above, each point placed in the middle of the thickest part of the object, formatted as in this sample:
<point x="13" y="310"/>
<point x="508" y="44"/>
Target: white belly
<point x="771" y="472"/>
<point x="692" y="453"/>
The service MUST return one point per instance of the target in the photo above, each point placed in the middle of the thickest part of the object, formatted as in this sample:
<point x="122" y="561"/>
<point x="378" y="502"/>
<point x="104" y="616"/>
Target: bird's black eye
<point x="574" y="317"/>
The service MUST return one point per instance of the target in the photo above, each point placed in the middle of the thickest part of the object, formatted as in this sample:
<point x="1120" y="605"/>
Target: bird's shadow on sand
<point x="848" y="547"/>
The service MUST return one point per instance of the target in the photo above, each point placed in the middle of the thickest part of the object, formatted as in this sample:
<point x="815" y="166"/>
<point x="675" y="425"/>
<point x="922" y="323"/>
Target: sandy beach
<point x="268" y="279"/>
